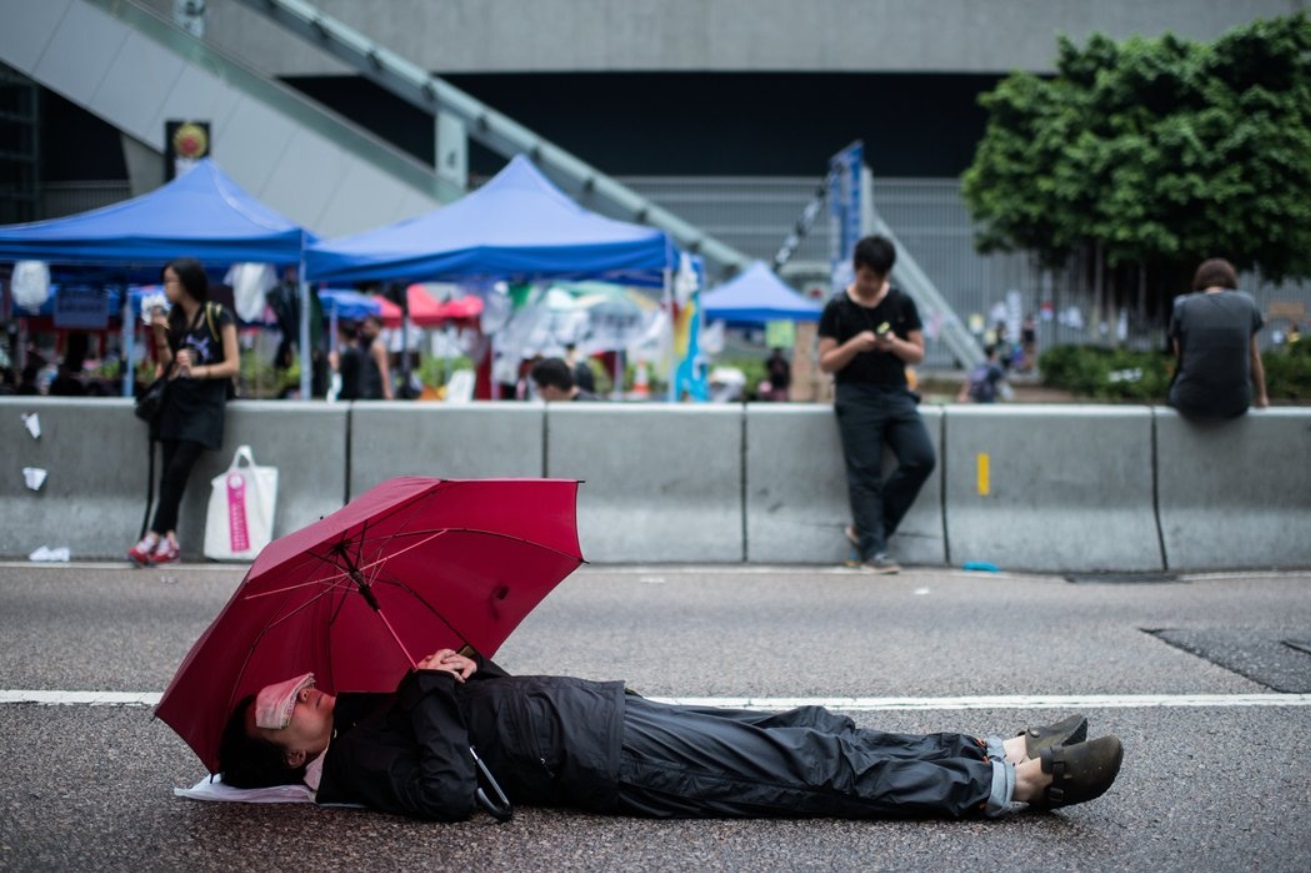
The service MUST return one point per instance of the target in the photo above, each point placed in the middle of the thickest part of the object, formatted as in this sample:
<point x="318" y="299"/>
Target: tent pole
<point x="671" y="354"/>
<point x="306" y="365"/>
<point x="129" y="342"/>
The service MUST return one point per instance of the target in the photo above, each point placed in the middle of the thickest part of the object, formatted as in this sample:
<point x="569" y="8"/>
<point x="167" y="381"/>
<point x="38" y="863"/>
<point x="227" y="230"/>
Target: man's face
<point x="310" y="727"/>
<point x="551" y="392"/>
<point x="868" y="283"/>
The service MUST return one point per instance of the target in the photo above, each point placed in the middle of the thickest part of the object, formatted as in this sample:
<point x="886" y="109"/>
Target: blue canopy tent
<point x="757" y="296"/>
<point x="518" y="227"/>
<point x="202" y="214"/>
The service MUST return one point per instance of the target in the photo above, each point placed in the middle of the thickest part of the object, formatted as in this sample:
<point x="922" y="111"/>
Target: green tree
<point x="1144" y="157"/>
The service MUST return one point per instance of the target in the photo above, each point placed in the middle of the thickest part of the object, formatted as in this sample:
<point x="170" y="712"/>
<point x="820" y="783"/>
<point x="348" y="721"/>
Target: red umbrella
<point x="410" y="566"/>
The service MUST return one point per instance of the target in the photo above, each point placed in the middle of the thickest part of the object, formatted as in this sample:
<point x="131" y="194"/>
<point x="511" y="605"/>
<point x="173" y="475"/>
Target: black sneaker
<point x="882" y="564"/>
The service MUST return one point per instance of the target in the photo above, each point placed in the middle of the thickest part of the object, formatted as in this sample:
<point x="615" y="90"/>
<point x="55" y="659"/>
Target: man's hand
<point x="449" y="661"/>
<point x="865" y="341"/>
<point x="885" y="342"/>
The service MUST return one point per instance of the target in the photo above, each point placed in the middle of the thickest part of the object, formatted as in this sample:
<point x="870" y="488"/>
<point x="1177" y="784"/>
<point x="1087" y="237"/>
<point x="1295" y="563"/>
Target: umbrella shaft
<point x="391" y="630"/>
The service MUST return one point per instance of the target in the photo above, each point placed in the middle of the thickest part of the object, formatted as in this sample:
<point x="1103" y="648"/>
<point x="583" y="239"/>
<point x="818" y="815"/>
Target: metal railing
<point x="494" y="130"/>
<point x="282" y="99"/>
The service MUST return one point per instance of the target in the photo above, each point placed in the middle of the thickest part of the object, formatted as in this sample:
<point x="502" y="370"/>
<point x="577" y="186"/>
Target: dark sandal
<point x="1065" y="732"/>
<point x="1080" y="772"/>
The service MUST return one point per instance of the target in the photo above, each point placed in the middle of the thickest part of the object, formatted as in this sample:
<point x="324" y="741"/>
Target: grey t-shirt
<point x="1214" y="332"/>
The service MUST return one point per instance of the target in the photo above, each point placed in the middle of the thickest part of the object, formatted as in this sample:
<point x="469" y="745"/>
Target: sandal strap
<point x="1053" y="761"/>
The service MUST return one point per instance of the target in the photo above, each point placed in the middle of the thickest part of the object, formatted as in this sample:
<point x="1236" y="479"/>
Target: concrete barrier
<point x="305" y="440"/>
<point x="456" y="441"/>
<point x="663" y="483"/>
<point x="95" y="452"/>
<point x="1235" y="494"/>
<point x="796" y="495"/>
<point x="1051" y="488"/>
<point x="94" y="495"/>
<point x="1046" y="488"/>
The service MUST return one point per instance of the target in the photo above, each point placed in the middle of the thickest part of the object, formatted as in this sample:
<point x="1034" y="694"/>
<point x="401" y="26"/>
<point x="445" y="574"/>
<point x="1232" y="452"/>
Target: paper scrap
<point x="35" y="477"/>
<point x="33" y="424"/>
<point x="47" y="554"/>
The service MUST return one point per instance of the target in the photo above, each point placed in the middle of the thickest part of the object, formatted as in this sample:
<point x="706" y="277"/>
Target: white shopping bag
<point x="240" y="519"/>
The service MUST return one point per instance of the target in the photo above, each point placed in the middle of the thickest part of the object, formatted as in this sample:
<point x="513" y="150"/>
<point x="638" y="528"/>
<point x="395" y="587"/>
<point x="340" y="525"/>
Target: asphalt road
<point x="1223" y="784"/>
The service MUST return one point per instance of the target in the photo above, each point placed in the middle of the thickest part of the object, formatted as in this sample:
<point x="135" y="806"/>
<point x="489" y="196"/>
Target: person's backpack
<point x="211" y="317"/>
<point x="983" y="384"/>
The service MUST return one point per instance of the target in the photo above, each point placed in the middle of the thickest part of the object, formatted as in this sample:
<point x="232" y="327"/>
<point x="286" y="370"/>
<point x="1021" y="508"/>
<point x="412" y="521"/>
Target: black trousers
<point x="685" y="762"/>
<point x="178" y="458"/>
<point x="870" y="417"/>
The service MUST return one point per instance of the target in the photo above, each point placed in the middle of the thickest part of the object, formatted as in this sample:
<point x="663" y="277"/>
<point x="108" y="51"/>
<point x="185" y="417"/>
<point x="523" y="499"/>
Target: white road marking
<point x="1073" y="701"/>
<point x="848" y="704"/>
<point x="82" y="698"/>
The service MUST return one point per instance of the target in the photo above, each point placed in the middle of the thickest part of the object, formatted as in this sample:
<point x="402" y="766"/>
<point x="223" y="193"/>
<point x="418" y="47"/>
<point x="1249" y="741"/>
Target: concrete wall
<point x="1049" y="487"/>
<point x="1235" y="494"/>
<point x="472" y="441"/>
<point x="796" y="495"/>
<point x="662" y="483"/>
<point x="1066" y="489"/>
<point x="495" y="36"/>
<point x="95" y="455"/>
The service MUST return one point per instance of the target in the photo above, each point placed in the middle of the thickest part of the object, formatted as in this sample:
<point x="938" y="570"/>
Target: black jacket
<point x="549" y="741"/>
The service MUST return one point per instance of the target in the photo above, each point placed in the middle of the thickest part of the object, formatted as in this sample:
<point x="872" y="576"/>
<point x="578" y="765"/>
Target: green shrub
<point x="1107" y="374"/>
<point x="433" y="373"/>
<point x="1288" y="372"/>
<point x="1123" y="374"/>
<point x="755" y="370"/>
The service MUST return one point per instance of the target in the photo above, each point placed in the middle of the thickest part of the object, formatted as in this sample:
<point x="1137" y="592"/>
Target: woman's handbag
<point x="151" y="401"/>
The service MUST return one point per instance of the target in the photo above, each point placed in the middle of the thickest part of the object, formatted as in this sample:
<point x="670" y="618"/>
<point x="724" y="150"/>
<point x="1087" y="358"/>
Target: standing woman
<point x="1213" y="334"/>
<point x="197" y="346"/>
<point x="375" y="369"/>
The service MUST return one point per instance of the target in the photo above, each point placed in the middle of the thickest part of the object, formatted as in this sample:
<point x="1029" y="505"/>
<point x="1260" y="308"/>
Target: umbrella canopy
<point x="757" y="296"/>
<point x="427" y="311"/>
<point x="410" y="566"/>
<point x="351" y="305"/>
<point x="517" y="227"/>
<point x="202" y="214"/>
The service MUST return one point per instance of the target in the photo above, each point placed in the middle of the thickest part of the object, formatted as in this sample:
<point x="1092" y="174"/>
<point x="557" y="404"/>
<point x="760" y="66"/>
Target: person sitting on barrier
<point x="1213" y="334"/>
<point x="565" y="742"/>
<point x="554" y="379"/>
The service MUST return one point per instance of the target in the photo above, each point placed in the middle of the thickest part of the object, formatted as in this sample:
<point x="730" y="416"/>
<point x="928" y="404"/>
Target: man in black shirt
<point x="584" y="378"/>
<point x="555" y="381"/>
<point x="868" y="333"/>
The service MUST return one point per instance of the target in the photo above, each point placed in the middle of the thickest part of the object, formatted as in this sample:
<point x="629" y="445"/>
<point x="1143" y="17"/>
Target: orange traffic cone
<point x="641" y="386"/>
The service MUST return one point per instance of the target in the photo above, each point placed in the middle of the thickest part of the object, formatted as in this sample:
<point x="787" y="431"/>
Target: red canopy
<point x="425" y="311"/>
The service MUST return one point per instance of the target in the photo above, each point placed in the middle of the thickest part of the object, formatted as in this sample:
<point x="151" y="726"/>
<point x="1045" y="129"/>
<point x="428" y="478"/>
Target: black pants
<point x="700" y="763"/>
<point x="179" y="456"/>
<point x="869" y="417"/>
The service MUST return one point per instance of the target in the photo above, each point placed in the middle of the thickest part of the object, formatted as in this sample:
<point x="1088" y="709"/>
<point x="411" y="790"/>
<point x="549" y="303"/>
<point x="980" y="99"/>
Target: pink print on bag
<point x="238" y="533"/>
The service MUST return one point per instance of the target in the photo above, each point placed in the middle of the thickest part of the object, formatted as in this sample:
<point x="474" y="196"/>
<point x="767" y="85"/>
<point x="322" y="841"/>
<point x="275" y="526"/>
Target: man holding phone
<point x="868" y="333"/>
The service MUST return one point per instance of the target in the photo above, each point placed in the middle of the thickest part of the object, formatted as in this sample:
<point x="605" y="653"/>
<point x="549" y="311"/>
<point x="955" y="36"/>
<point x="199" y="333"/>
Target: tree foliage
<point x="1155" y="153"/>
